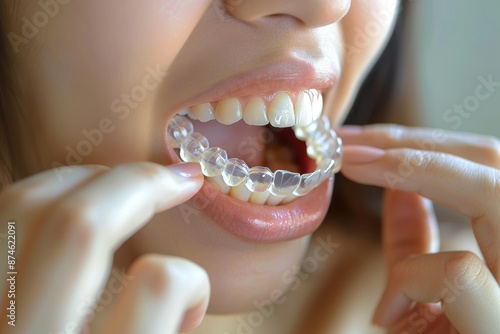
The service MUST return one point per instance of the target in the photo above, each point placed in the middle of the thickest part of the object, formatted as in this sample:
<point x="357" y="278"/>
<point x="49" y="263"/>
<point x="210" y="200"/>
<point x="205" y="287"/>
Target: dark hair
<point x="6" y="93"/>
<point x="361" y="205"/>
<point x="14" y="161"/>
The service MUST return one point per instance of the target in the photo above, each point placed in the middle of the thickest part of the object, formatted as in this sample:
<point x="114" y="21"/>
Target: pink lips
<point x="261" y="223"/>
<point x="265" y="224"/>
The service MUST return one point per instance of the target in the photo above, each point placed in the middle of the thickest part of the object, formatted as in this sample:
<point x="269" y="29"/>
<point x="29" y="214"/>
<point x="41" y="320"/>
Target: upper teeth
<point x="280" y="112"/>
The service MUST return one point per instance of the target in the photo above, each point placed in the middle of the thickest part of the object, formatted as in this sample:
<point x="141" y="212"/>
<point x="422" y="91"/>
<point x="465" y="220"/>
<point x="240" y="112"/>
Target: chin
<point x="242" y="272"/>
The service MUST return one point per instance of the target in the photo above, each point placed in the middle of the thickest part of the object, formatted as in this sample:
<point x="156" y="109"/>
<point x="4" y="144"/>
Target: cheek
<point x="111" y="43"/>
<point x="92" y="53"/>
<point x="365" y="30"/>
<point x="367" y="26"/>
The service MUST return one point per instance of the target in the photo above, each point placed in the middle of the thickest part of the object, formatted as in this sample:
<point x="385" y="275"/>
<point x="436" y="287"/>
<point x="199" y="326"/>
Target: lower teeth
<point x="259" y="184"/>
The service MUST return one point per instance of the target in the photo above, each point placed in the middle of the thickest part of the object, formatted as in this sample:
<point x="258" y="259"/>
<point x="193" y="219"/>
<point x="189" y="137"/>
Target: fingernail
<point x="194" y="316"/>
<point x="361" y="154"/>
<point x="390" y="310"/>
<point x="349" y="130"/>
<point x="186" y="169"/>
<point x="182" y="181"/>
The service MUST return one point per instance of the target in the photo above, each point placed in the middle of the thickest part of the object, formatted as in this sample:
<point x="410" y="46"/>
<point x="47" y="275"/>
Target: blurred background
<point x="452" y="51"/>
<point x="452" y="46"/>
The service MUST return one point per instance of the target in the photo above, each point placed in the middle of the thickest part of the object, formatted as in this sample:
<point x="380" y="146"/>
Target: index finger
<point x="467" y="187"/>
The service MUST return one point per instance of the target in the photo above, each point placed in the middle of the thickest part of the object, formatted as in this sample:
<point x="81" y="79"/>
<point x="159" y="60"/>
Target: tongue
<point x="240" y="140"/>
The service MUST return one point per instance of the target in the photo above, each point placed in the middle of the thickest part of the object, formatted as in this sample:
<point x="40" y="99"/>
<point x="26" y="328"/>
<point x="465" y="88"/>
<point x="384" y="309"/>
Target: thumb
<point x="166" y="294"/>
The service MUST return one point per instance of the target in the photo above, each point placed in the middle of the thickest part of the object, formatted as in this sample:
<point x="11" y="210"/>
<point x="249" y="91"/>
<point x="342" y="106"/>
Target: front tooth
<point x="218" y="182"/>
<point x="228" y="111"/>
<point x="280" y="112"/>
<point x="255" y="112"/>
<point x="307" y="183"/>
<point x="193" y="147"/>
<point x="213" y="161"/>
<point x="191" y="115"/>
<point x="235" y="172"/>
<point x="259" y="198"/>
<point x="274" y="200"/>
<point x="284" y="183"/>
<point x="303" y="110"/>
<point x="289" y="199"/>
<point x="325" y="165"/>
<point x="240" y="192"/>
<point x="203" y="112"/>
<point x="317" y="106"/>
<point x="259" y="179"/>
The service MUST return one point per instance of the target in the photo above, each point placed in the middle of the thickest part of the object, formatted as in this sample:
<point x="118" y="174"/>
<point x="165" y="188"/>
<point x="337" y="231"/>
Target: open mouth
<point x="268" y="159"/>
<point x="291" y="149"/>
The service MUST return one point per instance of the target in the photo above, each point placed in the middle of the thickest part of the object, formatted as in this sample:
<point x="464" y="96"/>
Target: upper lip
<point x="288" y="75"/>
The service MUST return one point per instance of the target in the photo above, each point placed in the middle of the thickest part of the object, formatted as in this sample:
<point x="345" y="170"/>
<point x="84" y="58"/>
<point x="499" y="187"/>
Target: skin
<point x="94" y="64"/>
<point x="460" y="171"/>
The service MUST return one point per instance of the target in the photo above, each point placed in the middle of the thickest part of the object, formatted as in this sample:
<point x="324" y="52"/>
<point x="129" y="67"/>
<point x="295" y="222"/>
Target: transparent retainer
<point x="323" y="145"/>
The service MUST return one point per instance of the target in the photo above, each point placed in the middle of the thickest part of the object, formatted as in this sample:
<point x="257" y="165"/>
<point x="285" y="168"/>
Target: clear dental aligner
<point x="323" y="145"/>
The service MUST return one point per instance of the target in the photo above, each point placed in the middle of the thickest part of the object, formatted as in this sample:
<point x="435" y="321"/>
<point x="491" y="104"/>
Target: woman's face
<point x="103" y="79"/>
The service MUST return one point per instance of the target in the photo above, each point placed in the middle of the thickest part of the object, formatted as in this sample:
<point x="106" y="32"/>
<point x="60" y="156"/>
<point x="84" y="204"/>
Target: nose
<point x="313" y="13"/>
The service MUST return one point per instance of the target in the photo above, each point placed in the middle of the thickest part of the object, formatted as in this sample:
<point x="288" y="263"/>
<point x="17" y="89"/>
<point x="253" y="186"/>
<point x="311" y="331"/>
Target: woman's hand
<point x="428" y="291"/>
<point x="66" y="235"/>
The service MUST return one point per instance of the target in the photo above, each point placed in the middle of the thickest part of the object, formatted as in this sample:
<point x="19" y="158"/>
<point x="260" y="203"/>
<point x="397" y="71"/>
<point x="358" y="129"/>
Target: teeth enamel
<point x="193" y="147"/>
<point x="235" y="172"/>
<point x="260" y="185"/>
<point x="203" y="112"/>
<point x="228" y="111"/>
<point x="274" y="200"/>
<point x="213" y="161"/>
<point x="219" y="183"/>
<point x="317" y="105"/>
<point x="259" y="198"/>
<point x="308" y="131"/>
<point x="325" y="165"/>
<point x="178" y="129"/>
<point x="259" y="179"/>
<point x="307" y="183"/>
<point x="255" y="112"/>
<point x="191" y="115"/>
<point x="284" y="183"/>
<point x="288" y="199"/>
<point x="303" y="110"/>
<point x="240" y="192"/>
<point x="281" y="113"/>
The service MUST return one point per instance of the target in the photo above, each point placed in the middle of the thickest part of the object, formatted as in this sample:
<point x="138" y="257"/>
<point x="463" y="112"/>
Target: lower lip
<point x="264" y="223"/>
